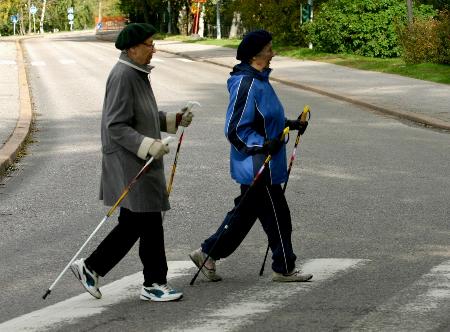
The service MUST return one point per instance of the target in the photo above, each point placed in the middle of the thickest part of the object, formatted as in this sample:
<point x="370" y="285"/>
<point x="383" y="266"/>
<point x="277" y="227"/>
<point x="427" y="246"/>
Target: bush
<point x="426" y="40"/>
<point x="361" y="27"/>
<point x="281" y="18"/>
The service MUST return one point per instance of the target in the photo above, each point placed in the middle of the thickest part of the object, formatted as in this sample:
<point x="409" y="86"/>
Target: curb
<point x="410" y="116"/>
<point x="11" y="148"/>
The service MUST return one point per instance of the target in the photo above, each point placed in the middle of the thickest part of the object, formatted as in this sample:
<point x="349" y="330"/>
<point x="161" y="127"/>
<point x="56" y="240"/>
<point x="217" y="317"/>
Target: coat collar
<point x="123" y="58"/>
<point x="245" y="69"/>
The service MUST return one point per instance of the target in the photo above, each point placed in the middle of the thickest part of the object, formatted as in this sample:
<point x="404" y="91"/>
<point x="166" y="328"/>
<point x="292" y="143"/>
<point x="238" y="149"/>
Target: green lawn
<point x="425" y="71"/>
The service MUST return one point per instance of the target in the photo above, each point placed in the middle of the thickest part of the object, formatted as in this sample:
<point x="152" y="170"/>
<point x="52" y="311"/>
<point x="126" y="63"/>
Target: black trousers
<point x="268" y="204"/>
<point x="145" y="226"/>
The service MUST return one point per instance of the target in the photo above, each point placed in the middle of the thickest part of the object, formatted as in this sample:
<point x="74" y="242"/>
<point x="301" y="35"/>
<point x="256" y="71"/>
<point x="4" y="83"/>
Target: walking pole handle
<point x="305" y="115"/>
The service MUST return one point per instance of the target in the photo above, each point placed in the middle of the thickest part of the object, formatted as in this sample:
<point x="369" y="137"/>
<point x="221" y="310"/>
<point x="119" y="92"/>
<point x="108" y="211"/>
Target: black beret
<point x="134" y="34"/>
<point x="252" y="43"/>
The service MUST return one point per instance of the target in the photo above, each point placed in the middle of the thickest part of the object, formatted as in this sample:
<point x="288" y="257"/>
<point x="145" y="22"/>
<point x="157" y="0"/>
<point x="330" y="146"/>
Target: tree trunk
<point x="409" y="6"/>
<point x="41" y="24"/>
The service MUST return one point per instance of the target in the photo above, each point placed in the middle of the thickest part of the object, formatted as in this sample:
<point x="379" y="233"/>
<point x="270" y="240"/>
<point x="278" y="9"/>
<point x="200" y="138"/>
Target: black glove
<point x="272" y="146"/>
<point x="297" y="125"/>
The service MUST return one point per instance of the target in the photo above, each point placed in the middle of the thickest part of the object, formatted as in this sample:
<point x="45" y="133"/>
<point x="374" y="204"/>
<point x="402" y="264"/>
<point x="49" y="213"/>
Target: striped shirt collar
<point x="123" y="58"/>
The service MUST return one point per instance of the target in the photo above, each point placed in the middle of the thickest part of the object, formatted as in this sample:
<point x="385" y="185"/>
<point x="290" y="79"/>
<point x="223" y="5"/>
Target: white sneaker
<point x="88" y="278"/>
<point x="160" y="293"/>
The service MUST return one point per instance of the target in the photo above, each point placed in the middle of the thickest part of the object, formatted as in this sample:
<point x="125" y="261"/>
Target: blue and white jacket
<point x="254" y="115"/>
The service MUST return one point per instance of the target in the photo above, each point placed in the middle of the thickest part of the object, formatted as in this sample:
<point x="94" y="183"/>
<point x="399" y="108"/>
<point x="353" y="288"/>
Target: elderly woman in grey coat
<point x="131" y="133"/>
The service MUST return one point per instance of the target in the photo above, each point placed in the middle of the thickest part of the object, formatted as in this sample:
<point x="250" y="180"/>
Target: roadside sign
<point x="70" y="17"/>
<point x="14" y="19"/>
<point x="33" y="10"/>
<point x="70" y="10"/>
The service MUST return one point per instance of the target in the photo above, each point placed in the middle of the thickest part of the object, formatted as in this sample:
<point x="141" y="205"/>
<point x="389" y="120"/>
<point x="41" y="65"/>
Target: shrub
<point x="426" y="40"/>
<point x="359" y="26"/>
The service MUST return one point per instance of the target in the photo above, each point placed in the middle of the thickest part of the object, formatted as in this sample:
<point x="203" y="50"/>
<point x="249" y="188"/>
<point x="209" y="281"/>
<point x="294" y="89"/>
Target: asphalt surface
<point x="366" y="187"/>
<point x="422" y="102"/>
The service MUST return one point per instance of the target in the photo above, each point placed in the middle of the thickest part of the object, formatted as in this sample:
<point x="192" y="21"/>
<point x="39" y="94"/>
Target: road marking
<point x="85" y="305"/>
<point x="261" y="298"/>
<point x="38" y="63"/>
<point x="408" y="311"/>
<point x="7" y="62"/>
<point x="184" y="60"/>
<point x="66" y="61"/>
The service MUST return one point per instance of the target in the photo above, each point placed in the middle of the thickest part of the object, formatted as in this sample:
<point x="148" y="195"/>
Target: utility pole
<point x="169" y="26"/>
<point x="29" y="16"/>
<point x="409" y="7"/>
<point x="219" y="33"/>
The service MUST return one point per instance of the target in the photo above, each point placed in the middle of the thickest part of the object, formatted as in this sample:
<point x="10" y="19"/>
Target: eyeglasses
<point x="152" y="45"/>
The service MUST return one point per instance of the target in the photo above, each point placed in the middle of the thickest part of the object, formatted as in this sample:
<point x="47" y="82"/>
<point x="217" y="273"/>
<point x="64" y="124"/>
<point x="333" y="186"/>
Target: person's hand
<point x="158" y="149"/>
<point x="272" y="146"/>
<point x="184" y="117"/>
<point x="297" y="125"/>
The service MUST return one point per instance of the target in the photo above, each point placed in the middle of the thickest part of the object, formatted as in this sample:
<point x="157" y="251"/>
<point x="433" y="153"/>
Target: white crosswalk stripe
<point x="38" y="63"/>
<point x="184" y="60"/>
<point x="85" y="305"/>
<point x="7" y="62"/>
<point x="66" y="61"/>
<point x="261" y="298"/>
<point x="240" y="310"/>
<point x="420" y="307"/>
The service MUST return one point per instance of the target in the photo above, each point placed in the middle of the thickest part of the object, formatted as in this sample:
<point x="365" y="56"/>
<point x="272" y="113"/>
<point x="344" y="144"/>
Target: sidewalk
<point x="419" y="101"/>
<point x="15" y="102"/>
<point x="415" y="100"/>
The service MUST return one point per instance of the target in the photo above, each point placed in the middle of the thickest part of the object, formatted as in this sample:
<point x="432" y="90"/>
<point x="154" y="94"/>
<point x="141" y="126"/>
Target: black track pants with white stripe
<point x="268" y="204"/>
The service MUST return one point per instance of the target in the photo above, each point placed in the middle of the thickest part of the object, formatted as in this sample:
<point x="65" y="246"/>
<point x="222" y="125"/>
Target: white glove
<point x="186" y="117"/>
<point x="158" y="149"/>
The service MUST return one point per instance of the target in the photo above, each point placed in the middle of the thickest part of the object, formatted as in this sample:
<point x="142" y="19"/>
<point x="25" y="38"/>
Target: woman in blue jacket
<point x="254" y="121"/>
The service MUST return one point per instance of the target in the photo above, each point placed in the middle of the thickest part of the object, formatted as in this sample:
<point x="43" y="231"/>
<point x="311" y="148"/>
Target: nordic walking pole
<point x="125" y="192"/>
<point x="189" y="106"/>
<point x="304" y="116"/>
<point x="255" y="179"/>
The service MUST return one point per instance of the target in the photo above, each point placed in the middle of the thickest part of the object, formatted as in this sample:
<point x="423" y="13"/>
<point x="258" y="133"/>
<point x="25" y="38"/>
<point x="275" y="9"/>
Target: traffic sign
<point x="70" y="10"/>
<point x="70" y="17"/>
<point x="33" y="10"/>
<point x="14" y="19"/>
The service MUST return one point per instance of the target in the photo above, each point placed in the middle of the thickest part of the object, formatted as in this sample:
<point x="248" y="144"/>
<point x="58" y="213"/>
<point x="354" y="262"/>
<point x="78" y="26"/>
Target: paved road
<point x="369" y="198"/>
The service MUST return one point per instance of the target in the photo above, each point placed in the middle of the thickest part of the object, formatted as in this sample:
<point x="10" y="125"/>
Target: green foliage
<point x="55" y="14"/>
<point x="360" y="27"/>
<point x="280" y="17"/>
<point x="154" y="12"/>
<point x="426" y="40"/>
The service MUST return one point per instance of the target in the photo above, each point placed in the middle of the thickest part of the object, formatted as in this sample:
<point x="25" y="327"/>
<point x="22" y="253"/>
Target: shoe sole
<point x="215" y="279"/>
<point x="75" y="271"/>
<point x="158" y="299"/>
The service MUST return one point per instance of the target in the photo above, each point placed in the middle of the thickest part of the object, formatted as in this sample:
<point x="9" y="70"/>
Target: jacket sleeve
<point x="119" y="115"/>
<point x="244" y="127"/>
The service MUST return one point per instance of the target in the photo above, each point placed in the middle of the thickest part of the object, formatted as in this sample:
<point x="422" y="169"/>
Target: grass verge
<point x="437" y="73"/>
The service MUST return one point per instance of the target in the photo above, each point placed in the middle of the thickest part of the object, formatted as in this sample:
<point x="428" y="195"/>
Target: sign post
<point x="33" y="11"/>
<point x="70" y="17"/>
<point x="14" y="19"/>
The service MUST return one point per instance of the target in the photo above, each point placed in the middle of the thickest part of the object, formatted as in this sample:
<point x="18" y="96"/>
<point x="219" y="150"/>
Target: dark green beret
<point x="134" y="34"/>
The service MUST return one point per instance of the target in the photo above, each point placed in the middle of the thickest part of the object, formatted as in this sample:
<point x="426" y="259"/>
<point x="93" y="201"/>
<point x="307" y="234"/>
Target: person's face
<point x="143" y="52"/>
<point x="262" y="59"/>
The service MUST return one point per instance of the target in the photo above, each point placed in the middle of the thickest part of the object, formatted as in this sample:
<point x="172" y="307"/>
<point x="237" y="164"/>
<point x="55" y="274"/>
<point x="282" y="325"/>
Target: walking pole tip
<point x="47" y="293"/>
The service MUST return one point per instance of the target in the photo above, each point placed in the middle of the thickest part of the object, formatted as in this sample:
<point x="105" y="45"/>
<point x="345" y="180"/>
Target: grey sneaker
<point x="209" y="269"/>
<point x="88" y="278"/>
<point x="294" y="276"/>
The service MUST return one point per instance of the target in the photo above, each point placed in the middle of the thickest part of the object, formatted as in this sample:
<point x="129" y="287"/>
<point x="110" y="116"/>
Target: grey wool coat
<point x="130" y="123"/>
